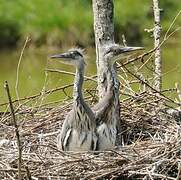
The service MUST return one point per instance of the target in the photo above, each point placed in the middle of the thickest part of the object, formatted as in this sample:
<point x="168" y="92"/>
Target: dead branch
<point x="157" y="35"/>
<point x="18" y="67"/>
<point x="16" y="131"/>
<point x="141" y="57"/>
<point x="39" y="94"/>
<point x="92" y="78"/>
<point x="153" y="89"/>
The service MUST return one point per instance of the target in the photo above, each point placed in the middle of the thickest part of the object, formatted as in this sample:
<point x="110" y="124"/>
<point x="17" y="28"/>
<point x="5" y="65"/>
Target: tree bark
<point x="157" y="33"/>
<point x="103" y="11"/>
<point x="104" y="35"/>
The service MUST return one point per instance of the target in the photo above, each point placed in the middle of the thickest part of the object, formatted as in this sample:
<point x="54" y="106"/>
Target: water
<point x="34" y="79"/>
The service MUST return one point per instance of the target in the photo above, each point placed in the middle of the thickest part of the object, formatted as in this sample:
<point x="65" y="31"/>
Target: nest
<point x="150" y="144"/>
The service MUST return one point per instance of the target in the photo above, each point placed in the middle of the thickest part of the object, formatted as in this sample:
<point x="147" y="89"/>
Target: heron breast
<point x="81" y="141"/>
<point x="106" y="137"/>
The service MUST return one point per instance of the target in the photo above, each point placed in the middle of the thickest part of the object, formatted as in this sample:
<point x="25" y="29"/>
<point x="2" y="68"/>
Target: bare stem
<point x="16" y="130"/>
<point x="92" y="78"/>
<point x="18" y="67"/>
<point x="157" y="33"/>
<point x="152" y="88"/>
<point x="28" y="173"/>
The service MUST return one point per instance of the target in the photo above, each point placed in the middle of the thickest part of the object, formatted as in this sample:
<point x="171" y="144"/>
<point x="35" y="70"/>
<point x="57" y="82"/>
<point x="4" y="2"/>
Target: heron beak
<point x="126" y="52"/>
<point x="131" y="49"/>
<point x="61" y="56"/>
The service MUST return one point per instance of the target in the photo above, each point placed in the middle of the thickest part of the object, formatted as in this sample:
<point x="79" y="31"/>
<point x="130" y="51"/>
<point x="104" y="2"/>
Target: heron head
<point x="116" y="52"/>
<point x="71" y="57"/>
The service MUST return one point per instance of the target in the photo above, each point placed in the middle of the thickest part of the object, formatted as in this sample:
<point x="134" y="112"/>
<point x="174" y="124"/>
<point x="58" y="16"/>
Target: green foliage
<point x="60" y="21"/>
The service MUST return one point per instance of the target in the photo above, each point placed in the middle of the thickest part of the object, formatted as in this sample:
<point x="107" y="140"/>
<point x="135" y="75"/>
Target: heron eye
<point x="78" y="54"/>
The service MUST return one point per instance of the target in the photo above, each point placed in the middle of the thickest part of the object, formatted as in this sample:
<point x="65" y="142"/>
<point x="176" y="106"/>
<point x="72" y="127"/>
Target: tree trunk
<point x="104" y="35"/>
<point x="157" y="32"/>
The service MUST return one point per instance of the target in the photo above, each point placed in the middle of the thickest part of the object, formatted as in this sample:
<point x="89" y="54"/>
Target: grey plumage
<point x="84" y="129"/>
<point x="105" y="110"/>
<point x="79" y="128"/>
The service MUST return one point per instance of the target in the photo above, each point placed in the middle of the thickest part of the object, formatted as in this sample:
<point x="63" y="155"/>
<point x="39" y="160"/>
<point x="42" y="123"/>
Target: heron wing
<point x="102" y="108"/>
<point x="66" y="132"/>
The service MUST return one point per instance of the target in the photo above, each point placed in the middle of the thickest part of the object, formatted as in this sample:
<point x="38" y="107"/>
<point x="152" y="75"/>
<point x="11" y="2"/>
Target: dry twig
<point x="16" y="130"/>
<point x="18" y="67"/>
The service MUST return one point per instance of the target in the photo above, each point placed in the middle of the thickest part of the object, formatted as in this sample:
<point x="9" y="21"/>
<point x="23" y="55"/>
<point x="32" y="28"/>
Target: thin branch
<point x="171" y="25"/>
<point x="124" y="40"/>
<point x="179" y="171"/>
<point x="166" y="37"/>
<point x="153" y="174"/>
<point x="28" y="173"/>
<point x="42" y="96"/>
<point x="39" y="94"/>
<point x="157" y="35"/>
<point x="16" y="130"/>
<point x="92" y="78"/>
<point x="137" y="58"/>
<point x="18" y="67"/>
<point x="178" y="91"/>
<point x="153" y="89"/>
<point x="45" y="92"/>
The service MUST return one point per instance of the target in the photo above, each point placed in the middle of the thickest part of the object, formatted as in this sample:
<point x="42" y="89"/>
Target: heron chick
<point x="79" y="128"/>
<point x="106" y="118"/>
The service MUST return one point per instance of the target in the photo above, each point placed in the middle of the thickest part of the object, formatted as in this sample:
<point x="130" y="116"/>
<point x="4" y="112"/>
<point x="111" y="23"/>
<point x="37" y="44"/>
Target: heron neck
<point x="115" y="79"/>
<point x="110" y="78"/>
<point x="78" y="82"/>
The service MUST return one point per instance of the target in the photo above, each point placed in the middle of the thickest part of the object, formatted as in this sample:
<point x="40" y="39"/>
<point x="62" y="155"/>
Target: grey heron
<point x="79" y="128"/>
<point x="106" y="107"/>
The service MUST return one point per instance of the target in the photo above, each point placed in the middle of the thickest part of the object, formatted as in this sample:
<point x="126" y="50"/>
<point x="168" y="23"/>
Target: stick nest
<point x="149" y="144"/>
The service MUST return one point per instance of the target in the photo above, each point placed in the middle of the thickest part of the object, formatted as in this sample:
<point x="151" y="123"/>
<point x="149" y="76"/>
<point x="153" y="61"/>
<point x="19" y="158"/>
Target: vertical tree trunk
<point x="104" y="35"/>
<point x="157" y="32"/>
